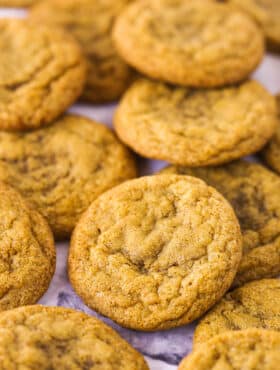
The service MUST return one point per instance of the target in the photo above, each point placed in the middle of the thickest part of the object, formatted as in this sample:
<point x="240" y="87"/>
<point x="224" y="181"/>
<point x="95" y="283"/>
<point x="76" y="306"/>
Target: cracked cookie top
<point x="267" y="14"/>
<point x="17" y="3"/>
<point x="27" y="255"/>
<point x="253" y="192"/>
<point x="42" y="73"/>
<point x="155" y="252"/>
<point x="190" y="43"/>
<point x="255" y="305"/>
<point x="195" y="127"/>
<point x="62" y="168"/>
<point x="37" y="337"/>
<point x="90" y="22"/>
<point x="271" y="152"/>
<point x="253" y="349"/>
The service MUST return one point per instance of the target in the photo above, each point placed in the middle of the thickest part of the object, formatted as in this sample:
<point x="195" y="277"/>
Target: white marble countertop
<point x="163" y="350"/>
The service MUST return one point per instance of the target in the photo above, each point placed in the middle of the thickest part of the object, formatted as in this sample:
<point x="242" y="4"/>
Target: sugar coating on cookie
<point x="42" y="73"/>
<point x="190" y="43"/>
<point x="27" y="255"/>
<point x="61" y="338"/>
<point x="271" y="152"/>
<point x="253" y="349"/>
<point x="155" y="252"/>
<point x="195" y="127"/>
<point x="254" y="305"/>
<point x="253" y="192"/>
<point x="90" y="22"/>
<point x="267" y="14"/>
<point x="62" y="168"/>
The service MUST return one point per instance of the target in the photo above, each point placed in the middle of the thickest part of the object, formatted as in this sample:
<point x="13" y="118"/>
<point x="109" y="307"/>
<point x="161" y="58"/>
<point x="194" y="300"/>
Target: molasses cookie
<point x="27" y="255"/>
<point x="253" y="349"/>
<point x="62" y="168"/>
<point x="90" y="22"/>
<point x="190" y="43"/>
<point x="37" y="337"/>
<point x="253" y="192"/>
<point x="155" y="252"/>
<point x="42" y="72"/>
<point x="196" y="127"/>
<point x="255" y="305"/>
<point x="267" y="14"/>
<point x="271" y="152"/>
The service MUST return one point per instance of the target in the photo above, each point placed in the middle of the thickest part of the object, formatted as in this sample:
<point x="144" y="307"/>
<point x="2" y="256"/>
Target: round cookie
<point x="60" y="338"/>
<point x="42" y="73"/>
<point x="253" y="192"/>
<point x="91" y="24"/>
<point x="255" y="305"/>
<point x="190" y="42"/>
<point x="271" y="152"/>
<point x="155" y="252"/>
<point x="62" y="168"/>
<point x="27" y="255"/>
<point x="195" y="127"/>
<point x="253" y="349"/>
<point x="267" y="14"/>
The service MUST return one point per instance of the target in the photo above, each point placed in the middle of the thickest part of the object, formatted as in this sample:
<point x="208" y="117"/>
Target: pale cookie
<point x="62" y="168"/>
<point x="27" y="254"/>
<point x="253" y="192"/>
<point x="195" y="127"/>
<point x="192" y="43"/>
<point x="42" y="73"/>
<point x="37" y="337"/>
<point x="255" y="305"/>
<point x="90" y="22"/>
<point x="271" y="152"/>
<point x="267" y="14"/>
<point x="155" y="252"/>
<point x="253" y="349"/>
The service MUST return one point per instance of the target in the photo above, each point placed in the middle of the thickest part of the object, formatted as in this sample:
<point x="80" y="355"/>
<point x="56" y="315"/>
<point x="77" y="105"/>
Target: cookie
<point x="91" y="24"/>
<point x="155" y="252"/>
<point x="17" y="3"/>
<point x="60" y="338"/>
<point x="267" y="14"/>
<point x="253" y="349"/>
<point x="253" y="191"/>
<point x="189" y="43"/>
<point x="255" y="305"/>
<point x="42" y="73"/>
<point x="27" y="255"/>
<point x="62" y="168"/>
<point x="195" y="127"/>
<point x="271" y="152"/>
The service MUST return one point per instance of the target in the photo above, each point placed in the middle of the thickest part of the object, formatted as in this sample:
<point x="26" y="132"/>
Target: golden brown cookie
<point x="253" y="191"/>
<point x="91" y="24"/>
<point x="37" y="337"/>
<point x="18" y="3"/>
<point x="190" y="43"/>
<point x="27" y="254"/>
<point x="195" y="127"/>
<point x="42" y="72"/>
<point x="62" y="168"/>
<point x="255" y="305"/>
<point x="271" y="152"/>
<point x="267" y="14"/>
<point x="253" y="349"/>
<point x="155" y="252"/>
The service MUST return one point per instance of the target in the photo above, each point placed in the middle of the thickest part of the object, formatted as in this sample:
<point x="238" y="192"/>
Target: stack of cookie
<point x="201" y="238"/>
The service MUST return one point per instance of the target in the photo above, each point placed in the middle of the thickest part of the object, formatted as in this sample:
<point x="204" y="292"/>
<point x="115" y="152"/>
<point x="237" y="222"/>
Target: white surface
<point x="171" y="345"/>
